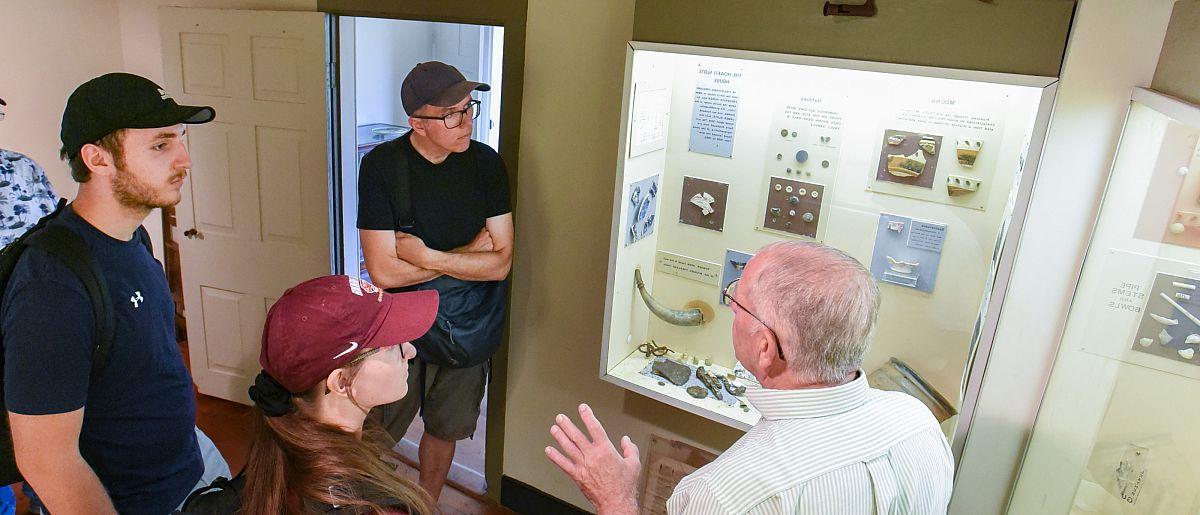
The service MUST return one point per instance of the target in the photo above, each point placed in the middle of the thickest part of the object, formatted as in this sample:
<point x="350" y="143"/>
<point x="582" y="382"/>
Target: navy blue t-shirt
<point x="139" y="415"/>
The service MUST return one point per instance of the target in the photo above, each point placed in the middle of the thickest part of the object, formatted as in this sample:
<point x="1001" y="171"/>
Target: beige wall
<point x="573" y="80"/>
<point x="49" y="48"/>
<point x="1178" y="72"/>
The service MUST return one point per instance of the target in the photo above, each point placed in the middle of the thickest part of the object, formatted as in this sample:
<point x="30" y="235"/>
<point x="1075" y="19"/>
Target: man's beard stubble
<point x="136" y="194"/>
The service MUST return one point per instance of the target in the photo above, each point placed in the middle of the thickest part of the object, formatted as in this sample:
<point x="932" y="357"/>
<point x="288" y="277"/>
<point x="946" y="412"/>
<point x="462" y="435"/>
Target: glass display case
<point x="917" y="172"/>
<point x="1116" y="432"/>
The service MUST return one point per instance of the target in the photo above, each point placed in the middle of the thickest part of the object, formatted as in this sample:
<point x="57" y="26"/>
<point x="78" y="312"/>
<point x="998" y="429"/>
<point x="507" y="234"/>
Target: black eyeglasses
<point x="727" y="294"/>
<point x="455" y="118"/>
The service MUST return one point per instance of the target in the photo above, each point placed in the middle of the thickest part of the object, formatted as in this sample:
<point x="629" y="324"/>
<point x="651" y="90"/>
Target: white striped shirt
<point x="850" y="449"/>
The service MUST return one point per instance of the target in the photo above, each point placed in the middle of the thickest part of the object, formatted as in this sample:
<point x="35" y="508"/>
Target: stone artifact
<point x="901" y="165"/>
<point x="676" y="373"/>
<point x="968" y="150"/>
<point x="957" y="185"/>
<point x="928" y="144"/>
<point x="711" y="381"/>
<point x="697" y="391"/>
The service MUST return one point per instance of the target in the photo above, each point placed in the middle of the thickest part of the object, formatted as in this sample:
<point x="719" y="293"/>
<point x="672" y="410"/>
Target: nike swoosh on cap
<point x="353" y="345"/>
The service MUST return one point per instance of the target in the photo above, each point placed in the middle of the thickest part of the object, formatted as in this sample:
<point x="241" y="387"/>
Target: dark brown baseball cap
<point x="437" y="84"/>
<point x="321" y="324"/>
<point x="116" y="101"/>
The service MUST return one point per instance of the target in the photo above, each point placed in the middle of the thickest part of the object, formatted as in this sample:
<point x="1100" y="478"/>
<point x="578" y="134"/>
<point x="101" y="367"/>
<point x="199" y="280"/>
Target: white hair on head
<point x="821" y="303"/>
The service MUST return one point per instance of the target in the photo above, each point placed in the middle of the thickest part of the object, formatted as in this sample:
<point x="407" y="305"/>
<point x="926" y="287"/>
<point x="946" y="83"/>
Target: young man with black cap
<point x="434" y="213"/>
<point x="124" y="441"/>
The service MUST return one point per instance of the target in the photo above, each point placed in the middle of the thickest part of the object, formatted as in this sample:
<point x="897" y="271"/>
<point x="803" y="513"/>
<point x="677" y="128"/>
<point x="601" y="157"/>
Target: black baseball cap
<point x="116" y="101"/>
<point x="437" y="84"/>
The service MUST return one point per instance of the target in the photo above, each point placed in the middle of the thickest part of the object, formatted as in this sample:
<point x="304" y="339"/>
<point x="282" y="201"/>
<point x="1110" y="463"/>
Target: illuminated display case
<point x="917" y="172"/>
<point x="1116" y="430"/>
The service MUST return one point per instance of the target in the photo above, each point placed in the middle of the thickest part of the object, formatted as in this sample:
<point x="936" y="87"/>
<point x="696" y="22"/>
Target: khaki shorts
<point x="452" y="398"/>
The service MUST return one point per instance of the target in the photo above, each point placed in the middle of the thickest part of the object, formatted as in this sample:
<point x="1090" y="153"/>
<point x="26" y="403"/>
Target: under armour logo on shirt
<point x="137" y="299"/>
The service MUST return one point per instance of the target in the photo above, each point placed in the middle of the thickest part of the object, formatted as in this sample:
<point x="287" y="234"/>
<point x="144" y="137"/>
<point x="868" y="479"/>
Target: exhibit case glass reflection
<point x="922" y="174"/>
<point x="1117" y="429"/>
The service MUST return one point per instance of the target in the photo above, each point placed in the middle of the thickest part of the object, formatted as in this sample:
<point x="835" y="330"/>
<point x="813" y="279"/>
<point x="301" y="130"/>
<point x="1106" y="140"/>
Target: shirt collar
<point x="809" y="402"/>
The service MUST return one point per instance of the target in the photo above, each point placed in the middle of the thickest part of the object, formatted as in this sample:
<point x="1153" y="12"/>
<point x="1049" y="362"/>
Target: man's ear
<point x="417" y="124"/>
<point x="765" y="343"/>
<point x="98" y="160"/>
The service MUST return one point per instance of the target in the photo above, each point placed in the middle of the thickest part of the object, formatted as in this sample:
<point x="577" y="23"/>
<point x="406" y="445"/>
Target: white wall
<point x="1110" y="52"/>
<point x="385" y="51"/>
<point x="48" y="49"/>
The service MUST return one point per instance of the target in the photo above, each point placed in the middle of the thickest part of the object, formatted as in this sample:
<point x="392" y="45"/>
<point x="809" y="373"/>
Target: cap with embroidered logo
<point x="117" y="101"/>
<point x="321" y="324"/>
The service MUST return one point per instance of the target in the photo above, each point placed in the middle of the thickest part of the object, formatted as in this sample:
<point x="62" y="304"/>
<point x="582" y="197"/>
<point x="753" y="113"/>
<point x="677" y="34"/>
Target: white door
<point x="254" y="219"/>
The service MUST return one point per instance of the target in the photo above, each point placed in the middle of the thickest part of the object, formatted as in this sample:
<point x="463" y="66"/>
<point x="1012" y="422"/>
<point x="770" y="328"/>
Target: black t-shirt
<point x="137" y="432"/>
<point x="446" y="204"/>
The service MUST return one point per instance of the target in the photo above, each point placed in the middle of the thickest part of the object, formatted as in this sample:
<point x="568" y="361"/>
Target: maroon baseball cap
<point x="321" y="324"/>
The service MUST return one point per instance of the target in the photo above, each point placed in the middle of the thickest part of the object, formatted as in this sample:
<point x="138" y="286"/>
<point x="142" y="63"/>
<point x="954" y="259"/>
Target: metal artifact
<point x="653" y="349"/>
<point x="734" y="387"/>
<point x="711" y="381"/>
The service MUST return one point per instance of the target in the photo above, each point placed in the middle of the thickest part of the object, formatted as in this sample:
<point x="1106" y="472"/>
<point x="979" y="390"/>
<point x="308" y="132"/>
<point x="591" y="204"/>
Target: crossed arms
<point x="396" y="259"/>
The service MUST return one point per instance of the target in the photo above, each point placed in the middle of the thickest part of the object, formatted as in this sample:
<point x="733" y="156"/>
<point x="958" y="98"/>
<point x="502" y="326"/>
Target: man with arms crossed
<point x="125" y="441"/>
<point x="827" y="442"/>
<point x="456" y="192"/>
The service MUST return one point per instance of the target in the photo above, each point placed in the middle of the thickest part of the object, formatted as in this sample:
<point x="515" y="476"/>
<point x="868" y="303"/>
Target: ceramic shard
<point x="895" y="140"/>
<point x="1146" y="342"/>
<point x="957" y="185"/>
<point x="1192" y="338"/>
<point x="1187" y="353"/>
<point x="1164" y="337"/>
<point x="968" y="150"/>
<point x="895" y="225"/>
<point x="928" y="144"/>
<point x="901" y="165"/>
<point x="704" y="201"/>
<point x="676" y="373"/>
<point x="903" y="267"/>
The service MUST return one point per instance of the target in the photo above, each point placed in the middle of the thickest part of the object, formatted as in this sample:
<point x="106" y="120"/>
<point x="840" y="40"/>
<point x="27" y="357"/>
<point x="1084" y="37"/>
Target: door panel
<point x="258" y="194"/>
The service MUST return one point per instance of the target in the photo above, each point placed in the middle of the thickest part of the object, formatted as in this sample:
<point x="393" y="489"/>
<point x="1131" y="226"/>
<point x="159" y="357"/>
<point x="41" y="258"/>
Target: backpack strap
<point x="71" y="250"/>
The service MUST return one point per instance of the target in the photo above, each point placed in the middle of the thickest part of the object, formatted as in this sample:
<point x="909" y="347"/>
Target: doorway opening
<point x="373" y="57"/>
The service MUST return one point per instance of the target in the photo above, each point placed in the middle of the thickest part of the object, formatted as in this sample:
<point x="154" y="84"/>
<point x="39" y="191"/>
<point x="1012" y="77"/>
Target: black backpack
<point x="68" y="247"/>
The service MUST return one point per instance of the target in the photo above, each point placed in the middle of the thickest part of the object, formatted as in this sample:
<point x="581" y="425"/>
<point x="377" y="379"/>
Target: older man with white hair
<point x="827" y="443"/>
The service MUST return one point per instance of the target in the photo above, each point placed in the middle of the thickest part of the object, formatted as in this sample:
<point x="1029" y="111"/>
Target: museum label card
<point x="687" y="268"/>
<point x="715" y="110"/>
<point x="648" y="124"/>
<point x="907" y="251"/>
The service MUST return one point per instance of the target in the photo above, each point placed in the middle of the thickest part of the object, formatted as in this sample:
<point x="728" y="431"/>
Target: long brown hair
<point x="295" y="459"/>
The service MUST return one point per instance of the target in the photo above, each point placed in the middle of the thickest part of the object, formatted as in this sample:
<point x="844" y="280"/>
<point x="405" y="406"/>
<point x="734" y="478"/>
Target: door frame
<point x="510" y="14"/>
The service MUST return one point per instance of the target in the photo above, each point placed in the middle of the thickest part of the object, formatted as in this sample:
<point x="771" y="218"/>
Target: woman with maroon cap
<point x="333" y="348"/>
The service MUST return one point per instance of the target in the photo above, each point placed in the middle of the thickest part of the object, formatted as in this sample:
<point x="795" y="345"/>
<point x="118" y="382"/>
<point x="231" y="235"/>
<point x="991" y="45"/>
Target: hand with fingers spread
<point x="607" y="478"/>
